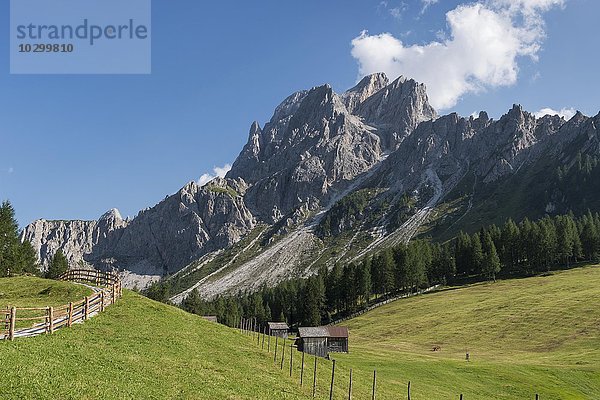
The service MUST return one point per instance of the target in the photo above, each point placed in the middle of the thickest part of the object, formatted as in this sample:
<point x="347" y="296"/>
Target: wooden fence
<point x="32" y="321"/>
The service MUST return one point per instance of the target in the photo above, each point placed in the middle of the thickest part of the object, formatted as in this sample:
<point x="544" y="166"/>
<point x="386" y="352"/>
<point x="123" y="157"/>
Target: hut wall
<point x="315" y="346"/>
<point x="337" y="345"/>
<point x="282" y="333"/>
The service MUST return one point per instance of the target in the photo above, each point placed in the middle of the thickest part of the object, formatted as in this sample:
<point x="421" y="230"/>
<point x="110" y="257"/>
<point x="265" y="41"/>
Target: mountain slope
<point x="333" y="177"/>
<point x="526" y="336"/>
<point x="144" y="350"/>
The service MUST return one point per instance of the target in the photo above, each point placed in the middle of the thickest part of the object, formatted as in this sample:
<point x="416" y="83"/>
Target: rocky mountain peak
<point x="111" y="215"/>
<point x="368" y="86"/>
<point x="397" y="109"/>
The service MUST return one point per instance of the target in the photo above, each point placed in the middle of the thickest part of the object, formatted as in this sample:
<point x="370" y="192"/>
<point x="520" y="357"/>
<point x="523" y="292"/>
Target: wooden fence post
<point x="332" y="378"/>
<point x="113" y="293"/>
<point x="350" y="386"/>
<point x="291" y="358"/>
<point x="315" y="378"/>
<point x="87" y="307"/>
<point x="408" y="390"/>
<point x="101" y="300"/>
<point x="70" y="320"/>
<point x="374" y="383"/>
<point x="263" y="339"/>
<point x="275" y="358"/>
<point x="51" y="320"/>
<point x="269" y="343"/>
<point x="302" y="369"/>
<point x="282" y="353"/>
<point x="13" y="320"/>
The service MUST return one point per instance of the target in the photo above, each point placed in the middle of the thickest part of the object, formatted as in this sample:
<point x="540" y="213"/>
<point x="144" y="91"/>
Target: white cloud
<point x="480" y="51"/>
<point x="566" y="113"/>
<point x="11" y="170"/>
<point x="217" y="172"/>
<point x="427" y="4"/>
<point x="397" y="12"/>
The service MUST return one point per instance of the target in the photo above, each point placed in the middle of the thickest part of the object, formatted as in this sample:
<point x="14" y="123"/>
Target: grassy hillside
<point x="140" y="349"/>
<point x="526" y="336"/>
<point x="25" y="291"/>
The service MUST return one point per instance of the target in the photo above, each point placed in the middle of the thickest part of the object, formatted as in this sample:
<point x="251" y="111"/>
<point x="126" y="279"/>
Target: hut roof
<point x="323" y="331"/>
<point x="275" y="326"/>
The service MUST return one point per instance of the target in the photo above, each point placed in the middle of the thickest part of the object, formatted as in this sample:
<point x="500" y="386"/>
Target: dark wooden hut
<point x="278" y="329"/>
<point x="211" y="318"/>
<point x="322" y="340"/>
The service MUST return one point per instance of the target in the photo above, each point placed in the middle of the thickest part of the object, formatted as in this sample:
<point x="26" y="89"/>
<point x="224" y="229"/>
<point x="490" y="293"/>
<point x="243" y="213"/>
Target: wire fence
<point x="325" y="377"/>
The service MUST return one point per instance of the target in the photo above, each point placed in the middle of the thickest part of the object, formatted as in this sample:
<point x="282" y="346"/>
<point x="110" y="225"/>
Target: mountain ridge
<point x="318" y="148"/>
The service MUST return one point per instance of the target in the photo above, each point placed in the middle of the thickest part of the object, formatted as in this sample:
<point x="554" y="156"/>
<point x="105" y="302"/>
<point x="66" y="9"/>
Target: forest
<point x="523" y="249"/>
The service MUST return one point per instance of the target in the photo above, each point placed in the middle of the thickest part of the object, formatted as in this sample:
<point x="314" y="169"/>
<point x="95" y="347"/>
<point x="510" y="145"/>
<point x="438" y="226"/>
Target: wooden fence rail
<point x="33" y="321"/>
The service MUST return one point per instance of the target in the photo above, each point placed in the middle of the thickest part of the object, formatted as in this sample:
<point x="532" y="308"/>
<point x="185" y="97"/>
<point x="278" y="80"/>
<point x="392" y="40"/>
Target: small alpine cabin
<point x="322" y="340"/>
<point x="278" y="329"/>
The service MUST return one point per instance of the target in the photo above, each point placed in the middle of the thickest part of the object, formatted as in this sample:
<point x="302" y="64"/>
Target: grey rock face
<point x="317" y="142"/>
<point x="397" y="110"/>
<point x="160" y="240"/>
<point x="317" y="147"/>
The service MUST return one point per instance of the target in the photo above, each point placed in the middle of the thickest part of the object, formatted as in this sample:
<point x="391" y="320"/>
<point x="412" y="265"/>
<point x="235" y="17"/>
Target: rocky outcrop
<point x="317" y="142"/>
<point x="318" y="147"/>
<point x="158" y="241"/>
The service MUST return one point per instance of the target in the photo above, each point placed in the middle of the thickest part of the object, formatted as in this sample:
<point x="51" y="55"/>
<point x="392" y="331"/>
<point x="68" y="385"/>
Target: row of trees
<point x="337" y="291"/>
<point x="528" y="247"/>
<point x="18" y="257"/>
<point x="513" y="249"/>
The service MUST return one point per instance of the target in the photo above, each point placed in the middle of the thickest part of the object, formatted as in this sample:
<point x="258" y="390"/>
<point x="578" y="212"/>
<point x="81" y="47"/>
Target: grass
<point x="29" y="291"/>
<point x="525" y="336"/>
<point x="141" y="349"/>
<point x="226" y="190"/>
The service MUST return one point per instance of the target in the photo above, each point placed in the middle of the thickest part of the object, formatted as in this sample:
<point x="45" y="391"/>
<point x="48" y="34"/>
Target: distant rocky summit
<point x="380" y="141"/>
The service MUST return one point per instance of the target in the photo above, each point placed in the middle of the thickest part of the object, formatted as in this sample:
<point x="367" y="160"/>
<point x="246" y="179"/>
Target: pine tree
<point x="59" y="265"/>
<point x="509" y="244"/>
<point x="491" y="261"/>
<point x="10" y="262"/>
<point x="363" y="281"/>
<point x="476" y="258"/>
<point x="349" y="289"/>
<point x="29" y="259"/>
<point x="314" y="293"/>
<point x="462" y="254"/>
<point x="387" y="271"/>
<point x="400" y="268"/>
<point x="590" y="238"/>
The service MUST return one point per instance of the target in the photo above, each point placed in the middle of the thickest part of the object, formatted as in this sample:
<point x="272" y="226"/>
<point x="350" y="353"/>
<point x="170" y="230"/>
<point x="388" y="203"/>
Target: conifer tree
<point x="476" y="258"/>
<point x="58" y="265"/>
<point x="491" y="261"/>
<point x="10" y="262"/>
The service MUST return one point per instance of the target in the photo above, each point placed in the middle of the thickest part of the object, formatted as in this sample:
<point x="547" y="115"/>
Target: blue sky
<point x="74" y="146"/>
